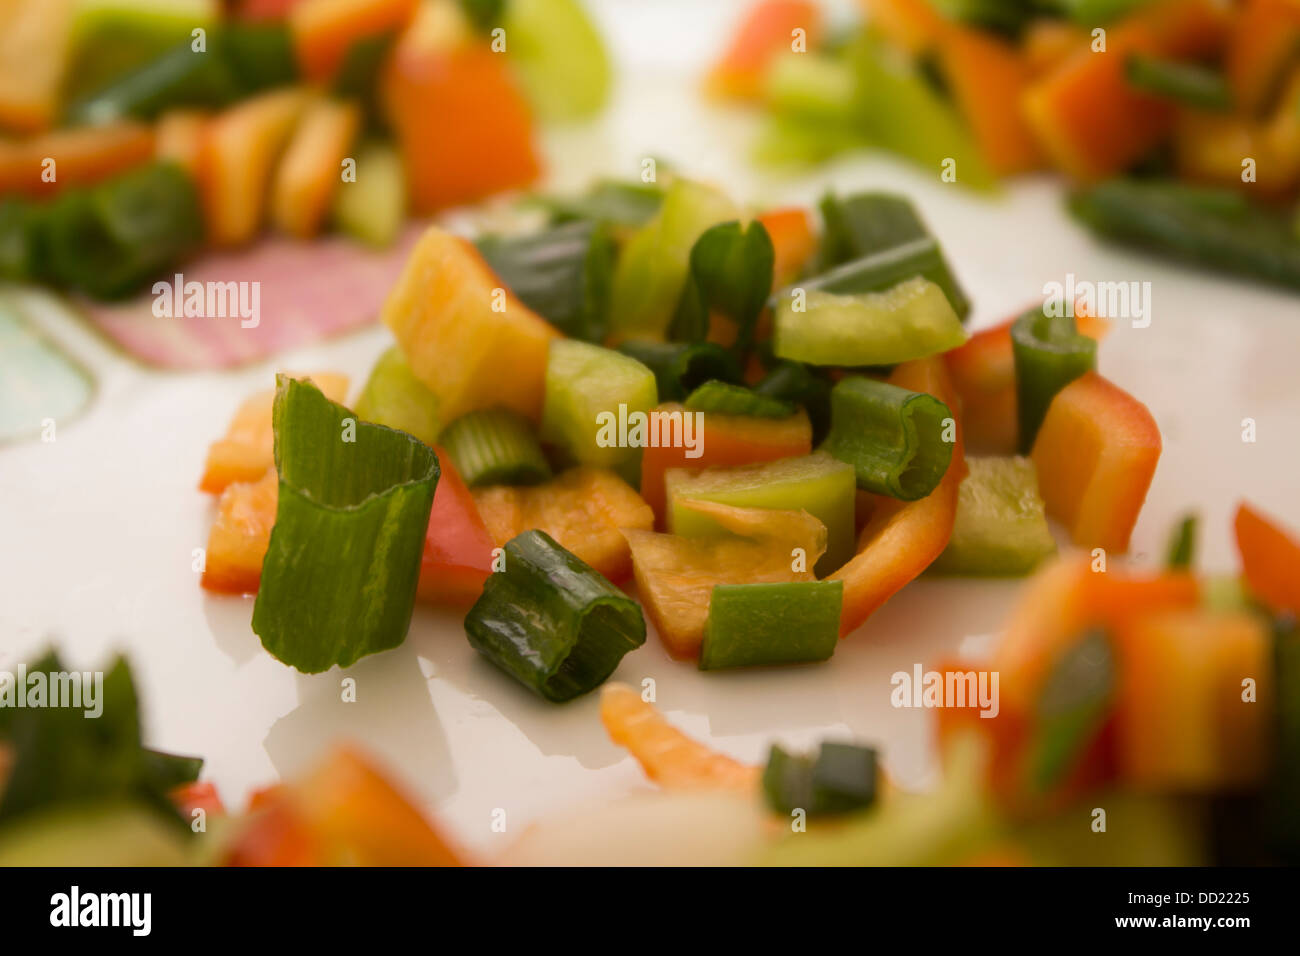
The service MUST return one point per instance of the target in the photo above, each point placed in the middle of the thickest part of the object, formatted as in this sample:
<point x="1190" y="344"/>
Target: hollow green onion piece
<point x="885" y="269"/>
<point x="181" y="76"/>
<point x="1071" y="708"/>
<point x="109" y="239"/>
<point x="1001" y="527"/>
<point x="552" y="622"/>
<point x="1182" y="546"/>
<point x="564" y="274"/>
<point x="866" y="223"/>
<point x="841" y="778"/>
<point x="731" y="274"/>
<point x="899" y="442"/>
<point x="1188" y="83"/>
<point x="804" y="385"/>
<point x="1213" y="227"/>
<point x="393" y="396"/>
<point x="339" y="577"/>
<point x="715" y="396"/>
<point x="681" y="367"/>
<point x="911" y="320"/>
<point x="589" y="391"/>
<point x="1049" y="354"/>
<point x="790" y="622"/>
<point x="495" y="446"/>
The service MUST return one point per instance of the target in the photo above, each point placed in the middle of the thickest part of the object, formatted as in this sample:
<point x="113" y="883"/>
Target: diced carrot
<point x="668" y="756"/>
<point x="793" y="242"/>
<point x="35" y="38"/>
<point x="1185" y="717"/>
<point x="1264" y="42"/>
<point x="1270" y="559"/>
<point x="1047" y="43"/>
<point x="767" y="31"/>
<point x="324" y="30"/>
<point x="311" y="170"/>
<point x="987" y="75"/>
<point x="179" y="138"/>
<point x="914" y="25"/>
<point x="902" y="539"/>
<point x="458" y="548"/>
<point x="463" y="124"/>
<point x="78" y="156"/>
<point x="1096" y="454"/>
<point x="443" y="313"/>
<point x="723" y="440"/>
<point x="240" y="534"/>
<point x="583" y="509"/>
<point x="1088" y="118"/>
<point x="1063" y="601"/>
<point x="239" y="155"/>
<point x="247" y="449"/>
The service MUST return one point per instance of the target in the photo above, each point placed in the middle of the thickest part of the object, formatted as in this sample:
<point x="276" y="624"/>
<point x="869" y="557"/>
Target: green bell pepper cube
<point x="788" y="622"/>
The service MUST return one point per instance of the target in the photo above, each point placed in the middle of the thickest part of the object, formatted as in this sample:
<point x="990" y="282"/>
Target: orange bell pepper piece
<point x="668" y="756"/>
<point x="793" y="241"/>
<point x="902" y="539"/>
<point x="725" y="440"/>
<point x="1047" y="43"/>
<point x="462" y="122"/>
<point x="34" y="43"/>
<point x="766" y="32"/>
<point x="1096" y="454"/>
<point x="80" y="155"/>
<point x="324" y="30"/>
<point x="240" y="534"/>
<point x="240" y="152"/>
<point x="1062" y="602"/>
<point x="912" y="24"/>
<point x="179" y="136"/>
<point x="308" y="174"/>
<point x="458" y="548"/>
<point x="1184" y="721"/>
<point x="247" y="450"/>
<point x="345" y="811"/>
<point x="983" y="372"/>
<point x="583" y="509"/>
<point x="1262" y="44"/>
<point x="987" y="76"/>
<point x="675" y="576"/>
<point x="1270" y="559"/>
<point x="1086" y="116"/>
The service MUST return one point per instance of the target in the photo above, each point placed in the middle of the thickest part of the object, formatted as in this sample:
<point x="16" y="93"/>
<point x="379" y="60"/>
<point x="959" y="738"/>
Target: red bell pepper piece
<point x="1270" y="559"/>
<point x="457" y="549"/>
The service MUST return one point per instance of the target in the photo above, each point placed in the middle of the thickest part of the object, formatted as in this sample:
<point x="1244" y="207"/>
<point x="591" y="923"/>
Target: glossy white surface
<point x="97" y="528"/>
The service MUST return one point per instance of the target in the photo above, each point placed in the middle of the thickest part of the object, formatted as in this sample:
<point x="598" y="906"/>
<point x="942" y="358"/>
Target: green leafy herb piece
<point x="565" y="274"/>
<point x="866" y="223"/>
<point x="618" y="204"/>
<point x="840" y="778"/>
<point x="682" y="367"/>
<point x="1182" y="545"/>
<point x="803" y="385"/>
<point x="552" y="622"/>
<point x="791" y="622"/>
<point x="339" y="577"/>
<point x="728" y="399"/>
<point x="894" y="438"/>
<point x="1049" y="353"/>
<point x="495" y="446"/>
<point x="730" y="273"/>
<point x="63" y="756"/>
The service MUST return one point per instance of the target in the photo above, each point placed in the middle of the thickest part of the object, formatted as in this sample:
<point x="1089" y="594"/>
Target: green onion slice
<point x="1188" y="83"/>
<point x="727" y="399"/>
<point x="841" y="778"/>
<point x="339" y="577"/>
<point x="788" y="622"/>
<point x="1182" y="546"/>
<point x="1050" y="353"/>
<point x="552" y="622"/>
<point x="896" y="440"/>
<point x="681" y="367"/>
<point x="495" y="446"/>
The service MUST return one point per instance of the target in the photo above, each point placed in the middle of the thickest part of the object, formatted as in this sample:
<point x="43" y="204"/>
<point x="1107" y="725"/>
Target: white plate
<point x="97" y="528"/>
